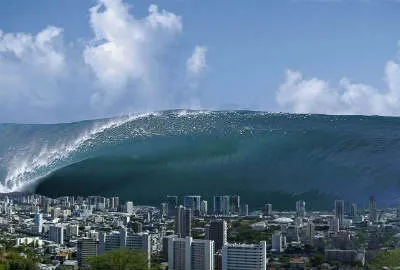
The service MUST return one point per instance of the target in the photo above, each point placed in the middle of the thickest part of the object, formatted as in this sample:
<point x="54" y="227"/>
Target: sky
<point x="70" y="60"/>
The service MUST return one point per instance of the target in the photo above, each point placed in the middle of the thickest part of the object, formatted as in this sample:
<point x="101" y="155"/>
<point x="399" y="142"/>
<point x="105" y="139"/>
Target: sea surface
<point x="264" y="157"/>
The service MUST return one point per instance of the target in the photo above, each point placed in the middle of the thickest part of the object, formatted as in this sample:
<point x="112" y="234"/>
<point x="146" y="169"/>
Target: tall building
<point x="353" y="210"/>
<point x="165" y="242"/>
<point x="235" y="204"/>
<point x="301" y="208"/>
<point x="217" y="231"/>
<point x="183" y="221"/>
<point x="242" y="256"/>
<point x="86" y="247"/>
<point x="56" y="234"/>
<point x="372" y="209"/>
<point x="339" y="211"/>
<point x="129" y="207"/>
<point x="124" y="239"/>
<point x="222" y="205"/>
<point x="189" y="254"/>
<point x="334" y="224"/>
<point x="204" y="207"/>
<point x="310" y="233"/>
<point x="38" y="220"/>
<point x="172" y="203"/>
<point x="244" y="210"/>
<point x="268" y="209"/>
<point x="192" y="202"/>
<point x="114" y="203"/>
<point x="163" y="209"/>
<point x="277" y="242"/>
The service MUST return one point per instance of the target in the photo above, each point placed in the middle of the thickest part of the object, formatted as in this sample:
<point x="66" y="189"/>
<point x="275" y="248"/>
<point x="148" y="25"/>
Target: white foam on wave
<point x="31" y="160"/>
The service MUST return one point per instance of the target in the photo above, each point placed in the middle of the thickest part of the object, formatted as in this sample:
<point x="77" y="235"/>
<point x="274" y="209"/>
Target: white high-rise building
<point x="204" y="207"/>
<point x="56" y="234"/>
<point x="38" y="222"/>
<point x="189" y="254"/>
<point x="244" y="257"/>
<point x="125" y="239"/>
<point x="129" y="207"/>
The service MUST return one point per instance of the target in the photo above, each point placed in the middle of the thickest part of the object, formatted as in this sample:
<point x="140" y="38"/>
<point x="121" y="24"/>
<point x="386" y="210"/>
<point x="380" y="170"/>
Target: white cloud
<point x="197" y="63"/>
<point x="124" y="67"/>
<point x="314" y="95"/>
<point x="125" y="49"/>
<point x="30" y="66"/>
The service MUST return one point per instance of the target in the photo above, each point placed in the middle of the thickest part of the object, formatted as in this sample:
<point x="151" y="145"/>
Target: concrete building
<point x="172" y="203"/>
<point x="244" y="210"/>
<point x="217" y="231"/>
<point x="86" y="247"/>
<point x="235" y="204"/>
<point x="301" y="208"/>
<point x="125" y="239"/>
<point x="129" y="207"/>
<point x="339" y="211"/>
<point x="56" y="234"/>
<point x="192" y="202"/>
<point x="165" y="242"/>
<point x="189" y="254"/>
<point x="183" y="221"/>
<point x="353" y="210"/>
<point x="38" y="220"/>
<point x="372" y="209"/>
<point x="244" y="257"/>
<point x="277" y="242"/>
<point x="222" y="205"/>
<point x="268" y="209"/>
<point x="204" y="207"/>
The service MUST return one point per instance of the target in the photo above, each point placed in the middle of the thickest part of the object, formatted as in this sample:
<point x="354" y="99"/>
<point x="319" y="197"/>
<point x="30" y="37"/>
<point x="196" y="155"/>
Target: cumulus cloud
<point x="197" y="62"/>
<point x="301" y="95"/>
<point x="30" y="67"/>
<point x="125" y="66"/>
<point x="125" y="49"/>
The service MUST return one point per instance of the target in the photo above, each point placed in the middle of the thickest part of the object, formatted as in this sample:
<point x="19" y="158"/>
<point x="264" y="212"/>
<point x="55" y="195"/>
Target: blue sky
<point x="303" y="56"/>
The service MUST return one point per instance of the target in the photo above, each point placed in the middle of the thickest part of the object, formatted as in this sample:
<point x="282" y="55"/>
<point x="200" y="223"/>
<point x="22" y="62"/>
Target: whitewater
<point x="253" y="153"/>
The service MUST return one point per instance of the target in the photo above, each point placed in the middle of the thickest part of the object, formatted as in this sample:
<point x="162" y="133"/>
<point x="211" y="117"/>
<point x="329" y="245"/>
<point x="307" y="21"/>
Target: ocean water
<point x="279" y="158"/>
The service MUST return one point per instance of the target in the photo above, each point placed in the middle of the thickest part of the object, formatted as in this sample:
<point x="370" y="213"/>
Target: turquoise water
<point x="263" y="157"/>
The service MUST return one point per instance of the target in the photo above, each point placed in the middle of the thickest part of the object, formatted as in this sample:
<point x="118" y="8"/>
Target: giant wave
<point x="261" y="156"/>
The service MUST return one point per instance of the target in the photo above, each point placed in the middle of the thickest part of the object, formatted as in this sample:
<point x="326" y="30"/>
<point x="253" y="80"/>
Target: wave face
<point x="261" y="156"/>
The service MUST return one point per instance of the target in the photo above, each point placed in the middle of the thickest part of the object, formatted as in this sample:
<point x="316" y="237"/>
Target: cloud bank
<point x="301" y="95"/>
<point x="120" y="69"/>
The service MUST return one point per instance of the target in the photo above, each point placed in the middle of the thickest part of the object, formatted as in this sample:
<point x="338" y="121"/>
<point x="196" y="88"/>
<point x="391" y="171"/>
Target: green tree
<point x="120" y="259"/>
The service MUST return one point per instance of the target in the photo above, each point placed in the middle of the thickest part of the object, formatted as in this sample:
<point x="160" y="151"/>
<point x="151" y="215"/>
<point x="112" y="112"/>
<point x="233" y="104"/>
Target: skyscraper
<point x="268" y="209"/>
<point x="242" y="256"/>
<point x="372" y="209"/>
<point x="129" y="207"/>
<point x="222" y="205"/>
<point x="172" y="203"/>
<point x="339" y="211"/>
<point x="38" y="222"/>
<point x="244" y="210"/>
<point x="235" y="204"/>
<point x="204" y="207"/>
<point x="192" y="202"/>
<point x="217" y="231"/>
<point x="301" y="208"/>
<point x="56" y="234"/>
<point x="189" y="254"/>
<point x="353" y="210"/>
<point x="183" y="221"/>
<point x="86" y="247"/>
